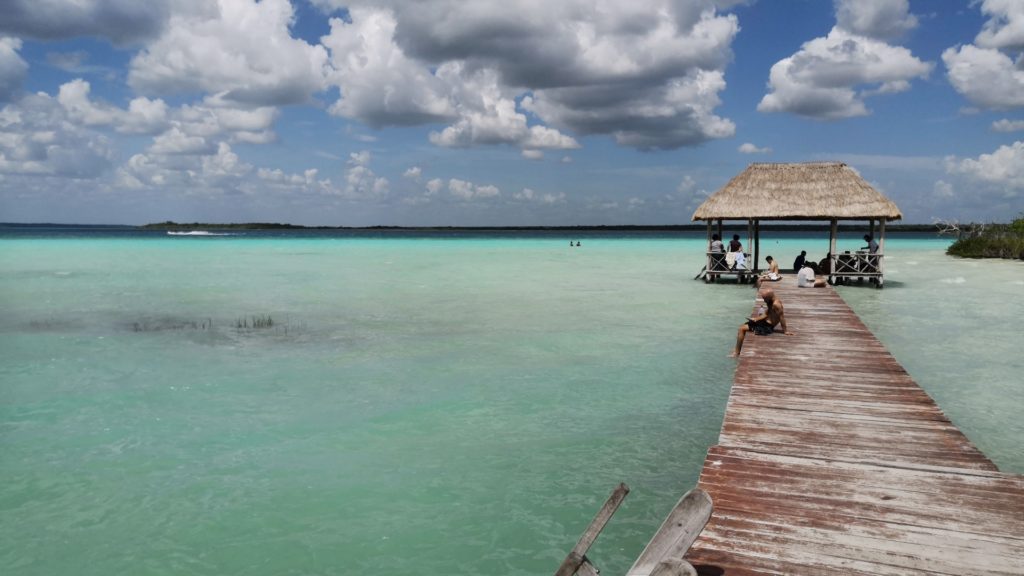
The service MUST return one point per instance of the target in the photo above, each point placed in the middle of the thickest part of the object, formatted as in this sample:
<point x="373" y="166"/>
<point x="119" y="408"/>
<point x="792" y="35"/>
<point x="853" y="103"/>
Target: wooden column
<point x="757" y="245"/>
<point x="871" y="229"/>
<point x="750" y="235"/>
<point x="881" y="251"/>
<point x="720" y="229"/>
<point x="832" y="232"/>
<point x="707" y="248"/>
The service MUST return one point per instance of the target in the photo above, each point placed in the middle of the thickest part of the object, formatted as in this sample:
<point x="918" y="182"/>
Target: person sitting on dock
<point x="717" y="250"/>
<point x="772" y="275"/>
<point x="764" y="323"/>
<point x="799" y="262"/>
<point x="807" y="279"/>
<point x="739" y="259"/>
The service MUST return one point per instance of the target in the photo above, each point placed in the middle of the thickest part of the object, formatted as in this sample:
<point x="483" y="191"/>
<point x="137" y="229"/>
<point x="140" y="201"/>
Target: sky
<point x="488" y="112"/>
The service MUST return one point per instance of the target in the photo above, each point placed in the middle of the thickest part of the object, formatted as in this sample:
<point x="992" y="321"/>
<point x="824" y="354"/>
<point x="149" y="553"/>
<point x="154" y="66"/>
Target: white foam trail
<point x="199" y="233"/>
<point x="957" y="280"/>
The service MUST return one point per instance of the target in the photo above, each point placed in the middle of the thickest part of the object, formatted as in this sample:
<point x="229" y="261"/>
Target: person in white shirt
<point x="805" y="278"/>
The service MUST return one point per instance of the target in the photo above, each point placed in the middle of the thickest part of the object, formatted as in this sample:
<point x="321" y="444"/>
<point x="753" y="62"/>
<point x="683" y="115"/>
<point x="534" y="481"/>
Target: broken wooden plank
<point x="677" y="533"/>
<point x="577" y="556"/>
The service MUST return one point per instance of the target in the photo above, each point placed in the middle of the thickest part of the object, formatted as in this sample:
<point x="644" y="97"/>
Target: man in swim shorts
<point x="763" y="324"/>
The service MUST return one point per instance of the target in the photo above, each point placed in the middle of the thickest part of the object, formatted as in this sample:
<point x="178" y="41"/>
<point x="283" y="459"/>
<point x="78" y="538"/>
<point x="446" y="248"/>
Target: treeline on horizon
<point x="176" y="226"/>
<point x="990" y="241"/>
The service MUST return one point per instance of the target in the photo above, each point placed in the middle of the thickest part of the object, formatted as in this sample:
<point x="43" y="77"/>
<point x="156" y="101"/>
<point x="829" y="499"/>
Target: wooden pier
<point x="832" y="460"/>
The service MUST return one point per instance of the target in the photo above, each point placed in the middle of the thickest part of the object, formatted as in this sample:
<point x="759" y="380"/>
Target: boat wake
<point x="199" y="233"/>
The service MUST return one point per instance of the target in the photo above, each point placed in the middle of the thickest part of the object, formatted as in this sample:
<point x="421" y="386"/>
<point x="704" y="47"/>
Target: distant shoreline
<point x="185" y="226"/>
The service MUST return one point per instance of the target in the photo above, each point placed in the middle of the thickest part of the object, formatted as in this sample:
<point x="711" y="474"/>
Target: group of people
<point x="731" y="259"/>
<point x="772" y="314"/>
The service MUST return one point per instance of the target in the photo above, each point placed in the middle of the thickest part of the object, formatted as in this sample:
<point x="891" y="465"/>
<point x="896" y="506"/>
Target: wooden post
<point x="881" y="251"/>
<point x="832" y="232"/>
<point x="707" y="248"/>
<point x="578" y="555"/>
<point x="871" y="229"/>
<point x="750" y="236"/>
<point x="677" y="533"/>
<point x="720" y="228"/>
<point x="757" y="245"/>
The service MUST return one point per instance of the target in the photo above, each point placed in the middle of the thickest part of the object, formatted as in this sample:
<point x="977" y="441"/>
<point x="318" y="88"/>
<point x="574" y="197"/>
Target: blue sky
<point x="486" y="112"/>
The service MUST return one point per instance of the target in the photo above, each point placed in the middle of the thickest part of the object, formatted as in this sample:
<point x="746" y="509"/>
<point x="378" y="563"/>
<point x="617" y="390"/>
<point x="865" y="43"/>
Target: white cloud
<point x="821" y="80"/>
<point x="985" y="76"/>
<point x="143" y="116"/>
<point x="985" y="73"/>
<point x="488" y="115"/>
<point x="360" y="181"/>
<point x="12" y="68"/>
<point x="241" y="51"/>
<point x="1007" y="125"/>
<point x="881" y="19"/>
<point x="566" y="160"/>
<point x="413" y="173"/>
<point x="557" y="198"/>
<point x="530" y="195"/>
<point x="525" y="194"/>
<point x="465" y="190"/>
<point x="1003" y="168"/>
<point x="379" y="84"/>
<point x="176" y="141"/>
<point x="533" y="154"/>
<point x="648" y="73"/>
<point x="37" y="138"/>
<point x="434" y="186"/>
<point x="749" y="148"/>
<point x="943" y="189"/>
<point x="686" y="185"/>
<point x="1004" y="30"/>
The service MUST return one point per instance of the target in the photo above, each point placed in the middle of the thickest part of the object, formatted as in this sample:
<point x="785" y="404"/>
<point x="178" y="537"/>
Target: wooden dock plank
<point x="832" y="460"/>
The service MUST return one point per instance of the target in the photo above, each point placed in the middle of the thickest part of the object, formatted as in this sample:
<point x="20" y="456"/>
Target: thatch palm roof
<point x="804" y="191"/>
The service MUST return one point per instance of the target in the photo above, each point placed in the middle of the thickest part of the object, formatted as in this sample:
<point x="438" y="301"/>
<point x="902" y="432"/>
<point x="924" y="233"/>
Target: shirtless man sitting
<point x="772" y="275"/>
<point x="764" y="323"/>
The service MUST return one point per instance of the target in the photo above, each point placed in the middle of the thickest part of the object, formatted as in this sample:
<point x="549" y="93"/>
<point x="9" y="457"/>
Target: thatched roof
<point x="803" y="191"/>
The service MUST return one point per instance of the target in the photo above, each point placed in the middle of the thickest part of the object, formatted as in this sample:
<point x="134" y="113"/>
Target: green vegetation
<point x="255" y="322"/>
<point x="991" y="241"/>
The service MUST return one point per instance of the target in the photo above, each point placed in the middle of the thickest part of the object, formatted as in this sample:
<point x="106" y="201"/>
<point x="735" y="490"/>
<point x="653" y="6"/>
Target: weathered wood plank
<point x="676" y="535"/>
<point x="832" y="460"/>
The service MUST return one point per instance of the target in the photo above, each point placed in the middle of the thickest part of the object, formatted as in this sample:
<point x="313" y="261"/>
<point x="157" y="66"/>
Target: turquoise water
<point x="419" y="405"/>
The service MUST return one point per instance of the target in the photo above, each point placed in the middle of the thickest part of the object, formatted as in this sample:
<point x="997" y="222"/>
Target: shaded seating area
<point x="793" y="192"/>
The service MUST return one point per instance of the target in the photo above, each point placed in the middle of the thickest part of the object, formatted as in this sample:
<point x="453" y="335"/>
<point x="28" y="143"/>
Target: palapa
<point x="798" y="191"/>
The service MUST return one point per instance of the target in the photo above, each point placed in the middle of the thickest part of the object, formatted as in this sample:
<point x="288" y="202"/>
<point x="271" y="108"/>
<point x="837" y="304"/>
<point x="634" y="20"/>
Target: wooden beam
<point x="674" y="568"/>
<point x="680" y="529"/>
<point x="577" y="556"/>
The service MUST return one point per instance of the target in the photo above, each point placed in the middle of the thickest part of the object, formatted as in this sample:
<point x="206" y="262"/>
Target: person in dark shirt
<point x="799" y="262"/>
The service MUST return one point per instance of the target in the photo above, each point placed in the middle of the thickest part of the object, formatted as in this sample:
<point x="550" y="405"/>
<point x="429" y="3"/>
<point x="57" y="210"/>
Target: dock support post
<point x="832" y="231"/>
<point x="708" y="256"/>
<point x="757" y="246"/>
<point x="881" y="252"/>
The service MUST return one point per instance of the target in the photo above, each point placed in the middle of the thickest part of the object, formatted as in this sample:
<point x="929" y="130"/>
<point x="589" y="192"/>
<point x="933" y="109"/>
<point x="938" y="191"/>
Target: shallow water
<point x="420" y="405"/>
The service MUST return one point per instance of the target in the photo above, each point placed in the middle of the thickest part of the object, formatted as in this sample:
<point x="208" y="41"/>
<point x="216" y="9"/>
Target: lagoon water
<point x="421" y="404"/>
